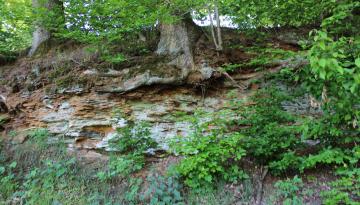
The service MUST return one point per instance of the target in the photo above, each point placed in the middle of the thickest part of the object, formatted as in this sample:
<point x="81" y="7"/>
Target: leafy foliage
<point x="122" y="166"/>
<point x="209" y="153"/>
<point x="39" y="136"/>
<point x="50" y="184"/>
<point x="345" y="190"/>
<point x="289" y="191"/>
<point x="133" y="137"/>
<point x="335" y="64"/>
<point x="253" y="14"/>
<point x="111" y="22"/>
<point x="270" y="131"/>
<point x="8" y="183"/>
<point x="259" y="129"/>
<point x="266" y="132"/>
<point x="15" y="26"/>
<point x="163" y="190"/>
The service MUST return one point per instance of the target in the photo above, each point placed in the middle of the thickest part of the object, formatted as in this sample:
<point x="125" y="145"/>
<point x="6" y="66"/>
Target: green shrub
<point x="333" y="75"/>
<point x="134" y="137"/>
<point x="345" y="190"/>
<point x="289" y="191"/>
<point x="209" y="153"/>
<point x="163" y="190"/>
<point x="122" y="166"/>
<point x="270" y="133"/>
<point x="276" y="138"/>
<point x="8" y="183"/>
<point x="132" y="194"/>
<point x="39" y="136"/>
<point x="53" y="183"/>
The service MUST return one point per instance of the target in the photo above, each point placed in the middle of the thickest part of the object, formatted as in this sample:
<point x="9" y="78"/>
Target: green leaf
<point x="357" y="62"/>
<point x="322" y="63"/>
<point x="323" y="74"/>
<point x="347" y="117"/>
<point x="353" y="88"/>
<point x="322" y="45"/>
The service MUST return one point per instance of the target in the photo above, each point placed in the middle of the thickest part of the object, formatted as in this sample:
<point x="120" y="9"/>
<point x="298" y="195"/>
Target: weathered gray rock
<point x="90" y="120"/>
<point x="72" y="90"/>
<point x="301" y="106"/>
<point x="58" y="127"/>
<point x="57" y="116"/>
<point x="77" y="126"/>
<point x="136" y="77"/>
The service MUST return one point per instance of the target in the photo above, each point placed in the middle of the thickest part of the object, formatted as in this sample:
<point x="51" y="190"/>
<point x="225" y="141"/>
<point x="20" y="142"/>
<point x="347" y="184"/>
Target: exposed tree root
<point x="241" y="86"/>
<point x="292" y="63"/>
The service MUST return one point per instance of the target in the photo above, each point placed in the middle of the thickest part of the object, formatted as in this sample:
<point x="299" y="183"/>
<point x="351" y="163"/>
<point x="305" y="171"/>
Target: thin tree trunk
<point x="220" y="46"/>
<point x="217" y="38"/>
<point x="212" y="28"/>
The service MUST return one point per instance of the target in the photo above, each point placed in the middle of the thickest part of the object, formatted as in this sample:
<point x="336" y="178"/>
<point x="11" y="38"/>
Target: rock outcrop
<point x="89" y="122"/>
<point x="74" y="94"/>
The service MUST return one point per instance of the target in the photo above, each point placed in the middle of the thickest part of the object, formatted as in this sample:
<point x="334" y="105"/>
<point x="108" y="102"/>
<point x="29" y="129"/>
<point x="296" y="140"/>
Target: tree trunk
<point x="176" y="46"/>
<point x="41" y="34"/>
<point x="217" y="38"/>
<point x="220" y="42"/>
<point x="212" y="29"/>
<point x="177" y="42"/>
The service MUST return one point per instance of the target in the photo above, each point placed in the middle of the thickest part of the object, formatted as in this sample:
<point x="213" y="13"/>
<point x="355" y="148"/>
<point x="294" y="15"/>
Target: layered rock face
<point x="86" y="117"/>
<point x="88" y="120"/>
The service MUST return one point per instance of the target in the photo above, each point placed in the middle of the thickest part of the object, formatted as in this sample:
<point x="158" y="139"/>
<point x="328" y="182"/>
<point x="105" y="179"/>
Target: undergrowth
<point x="210" y="153"/>
<point x="265" y="132"/>
<point x="131" y="144"/>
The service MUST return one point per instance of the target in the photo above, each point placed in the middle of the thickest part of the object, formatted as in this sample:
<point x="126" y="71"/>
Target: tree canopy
<point x="15" y="25"/>
<point x="90" y="21"/>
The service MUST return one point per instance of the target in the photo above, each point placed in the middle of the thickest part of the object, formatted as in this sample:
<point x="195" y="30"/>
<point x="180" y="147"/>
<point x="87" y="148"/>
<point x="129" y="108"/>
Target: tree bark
<point x="212" y="28"/>
<point x="220" y="42"/>
<point x="42" y="34"/>
<point x="217" y="38"/>
<point x="177" y="42"/>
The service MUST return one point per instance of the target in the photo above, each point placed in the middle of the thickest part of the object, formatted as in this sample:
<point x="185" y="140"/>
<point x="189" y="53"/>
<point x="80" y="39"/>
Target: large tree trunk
<point x="176" y="46"/>
<point x="42" y="34"/>
<point x="177" y="42"/>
